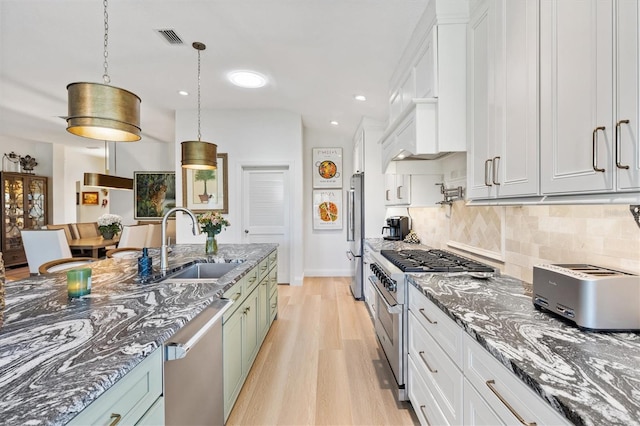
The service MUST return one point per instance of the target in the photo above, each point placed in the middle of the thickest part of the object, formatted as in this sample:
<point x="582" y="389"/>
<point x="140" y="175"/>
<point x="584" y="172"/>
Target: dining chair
<point x="124" y="253"/>
<point x="44" y="245"/>
<point x="63" y="264"/>
<point x="65" y="227"/>
<point x="134" y="236"/>
<point x="88" y="229"/>
<point x="154" y="235"/>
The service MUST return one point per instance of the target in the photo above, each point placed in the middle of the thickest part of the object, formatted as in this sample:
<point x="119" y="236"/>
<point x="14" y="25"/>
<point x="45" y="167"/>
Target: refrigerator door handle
<point x="350" y="214"/>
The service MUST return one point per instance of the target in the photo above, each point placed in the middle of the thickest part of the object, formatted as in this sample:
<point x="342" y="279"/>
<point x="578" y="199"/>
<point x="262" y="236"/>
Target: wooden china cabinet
<point x="24" y="204"/>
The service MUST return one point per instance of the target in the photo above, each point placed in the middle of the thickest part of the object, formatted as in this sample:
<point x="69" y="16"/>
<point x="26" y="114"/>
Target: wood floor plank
<point x="320" y="364"/>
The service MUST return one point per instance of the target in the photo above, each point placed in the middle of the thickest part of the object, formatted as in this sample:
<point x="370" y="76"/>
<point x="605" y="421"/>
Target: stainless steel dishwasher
<point x="193" y="393"/>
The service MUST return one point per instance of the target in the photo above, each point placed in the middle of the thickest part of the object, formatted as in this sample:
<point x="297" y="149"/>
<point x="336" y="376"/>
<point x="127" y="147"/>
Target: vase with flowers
<point x="109" y="225"/>
<point x="212" y="223"/>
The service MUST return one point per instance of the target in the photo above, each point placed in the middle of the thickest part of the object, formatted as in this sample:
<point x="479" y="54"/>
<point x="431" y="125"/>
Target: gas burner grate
<point x="433" y="261"/>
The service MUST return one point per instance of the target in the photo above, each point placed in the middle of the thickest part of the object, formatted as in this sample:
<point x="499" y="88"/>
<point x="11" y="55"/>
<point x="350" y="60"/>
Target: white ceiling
<point x="316" y="53"/>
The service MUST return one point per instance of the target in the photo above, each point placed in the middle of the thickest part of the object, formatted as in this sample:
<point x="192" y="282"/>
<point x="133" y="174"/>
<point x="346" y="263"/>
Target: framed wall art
<point x="327" y="209"/>
<point x="154" y="194"/>
<point x="204" y="190"/>
<point x="327" y="167"/>
<point x="90" y="198"/>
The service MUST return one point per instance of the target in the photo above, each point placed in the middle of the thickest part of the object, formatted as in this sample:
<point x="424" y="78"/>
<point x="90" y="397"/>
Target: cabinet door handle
<point x="421" y="353"/>
<point x="490" y="384"/>
<point x="421" y="310"/>
<point x="386" y="195"/>
<point x="399" y="192"/>
<point x="594" y="148"/>
<point x="618" y="165"/>
<point x="116" y="419"/>
<point x="422" y="407"/>
<point x="486" y="173"/>
<point x="494" y="166"/>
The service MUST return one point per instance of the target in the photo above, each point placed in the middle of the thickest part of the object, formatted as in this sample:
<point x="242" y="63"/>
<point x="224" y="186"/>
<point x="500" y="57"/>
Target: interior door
<point x="265" y="211"/>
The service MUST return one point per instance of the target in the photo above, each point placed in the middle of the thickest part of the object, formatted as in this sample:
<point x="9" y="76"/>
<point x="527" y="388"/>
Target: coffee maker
<point x="398" y="228"/>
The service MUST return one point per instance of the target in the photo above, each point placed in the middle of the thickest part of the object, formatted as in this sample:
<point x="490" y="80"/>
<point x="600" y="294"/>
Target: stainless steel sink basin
<point x="202" y="272"/>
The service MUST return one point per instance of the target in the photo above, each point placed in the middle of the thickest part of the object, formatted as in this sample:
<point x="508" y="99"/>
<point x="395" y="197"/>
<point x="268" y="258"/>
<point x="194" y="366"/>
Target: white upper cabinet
<point x="589" y="96"/>
<point x="627" y="95"/>
<point x="503" y="99"/>
<point x="428" y="89"/>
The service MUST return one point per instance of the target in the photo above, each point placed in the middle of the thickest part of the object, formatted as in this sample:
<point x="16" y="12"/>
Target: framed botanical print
<point x="327" y="209"/>
<point x="327" y="167"/>
<point x="154" y="194"/>
<point x="204" y="190"/>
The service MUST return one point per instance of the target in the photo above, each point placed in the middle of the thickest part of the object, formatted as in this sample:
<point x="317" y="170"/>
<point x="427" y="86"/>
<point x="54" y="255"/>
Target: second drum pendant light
<point x="198" y="154"/>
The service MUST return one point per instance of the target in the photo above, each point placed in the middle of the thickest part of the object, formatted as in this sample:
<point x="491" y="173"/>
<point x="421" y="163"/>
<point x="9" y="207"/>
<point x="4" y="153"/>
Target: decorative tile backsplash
<point x="604" y="235"/>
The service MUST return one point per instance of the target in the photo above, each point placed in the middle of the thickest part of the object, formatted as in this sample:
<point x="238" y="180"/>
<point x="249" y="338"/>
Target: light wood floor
<point x="320" y="364"/>
<point x="13" y="274"/>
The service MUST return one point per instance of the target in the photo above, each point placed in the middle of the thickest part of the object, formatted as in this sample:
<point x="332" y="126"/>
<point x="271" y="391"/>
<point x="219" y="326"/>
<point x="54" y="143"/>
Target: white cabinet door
<point x="516" y="99"/>
<point x="503" y="99"/>
<point x="627" y="93"/>
<point x="476" y="410"/>
<point x="358" y="152"/>
<point x="480" y="97"/>
<point x="397" y="189"/>
<point x="576" y="96"/>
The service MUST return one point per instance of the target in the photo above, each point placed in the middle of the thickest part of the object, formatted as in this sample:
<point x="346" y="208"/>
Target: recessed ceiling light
<point x="247" y="79"/>
<point x="360" y="98"/>
<point x="183" y="93"/>
<point x="334" y="123"/>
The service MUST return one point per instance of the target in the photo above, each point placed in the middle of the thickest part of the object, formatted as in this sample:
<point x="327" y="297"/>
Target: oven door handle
<point x="392" y="308"/>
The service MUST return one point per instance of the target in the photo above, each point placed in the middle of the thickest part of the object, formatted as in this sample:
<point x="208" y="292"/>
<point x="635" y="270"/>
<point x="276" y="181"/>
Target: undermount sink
<point x="203" y="271"/>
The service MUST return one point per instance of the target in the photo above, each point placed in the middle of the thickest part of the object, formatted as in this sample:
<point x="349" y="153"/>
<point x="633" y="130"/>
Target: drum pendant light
<point x="101" y="111"/>
<point x="198" y="154"/>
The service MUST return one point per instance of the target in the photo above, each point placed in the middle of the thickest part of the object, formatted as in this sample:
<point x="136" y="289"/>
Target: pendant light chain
<point x="105" y="76"/>
<point x="199" y="135"/>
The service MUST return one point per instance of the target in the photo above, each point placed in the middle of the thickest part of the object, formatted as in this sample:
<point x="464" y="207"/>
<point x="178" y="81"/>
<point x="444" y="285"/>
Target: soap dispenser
<point x="145" y="267"/>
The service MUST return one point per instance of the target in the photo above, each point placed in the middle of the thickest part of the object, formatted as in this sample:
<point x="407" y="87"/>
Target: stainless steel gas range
<point x="388" y="279"/>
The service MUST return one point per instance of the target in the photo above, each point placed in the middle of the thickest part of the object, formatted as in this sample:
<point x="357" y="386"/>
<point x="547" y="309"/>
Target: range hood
<point x="422" y="132"/>
<point x="107" y="181"/>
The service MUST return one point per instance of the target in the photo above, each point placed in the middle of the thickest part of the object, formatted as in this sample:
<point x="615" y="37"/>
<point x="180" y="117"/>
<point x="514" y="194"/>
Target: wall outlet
<point x="635" y="211"/>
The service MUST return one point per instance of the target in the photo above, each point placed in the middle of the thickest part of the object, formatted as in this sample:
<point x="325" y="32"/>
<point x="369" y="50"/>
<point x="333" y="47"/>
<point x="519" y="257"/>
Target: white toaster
<point x="592" y="297"/>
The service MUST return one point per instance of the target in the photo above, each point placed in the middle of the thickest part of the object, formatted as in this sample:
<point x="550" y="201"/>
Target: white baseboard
<point x="327" y="273"/>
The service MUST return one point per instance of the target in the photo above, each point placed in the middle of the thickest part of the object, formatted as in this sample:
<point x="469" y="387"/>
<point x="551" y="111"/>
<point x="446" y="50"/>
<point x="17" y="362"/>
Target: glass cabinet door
<point x="13" y="212"/>
<point x="36" y="203"/>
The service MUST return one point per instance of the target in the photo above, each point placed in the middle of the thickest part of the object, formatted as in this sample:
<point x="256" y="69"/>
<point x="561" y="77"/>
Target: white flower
<point x="108" y="219"/>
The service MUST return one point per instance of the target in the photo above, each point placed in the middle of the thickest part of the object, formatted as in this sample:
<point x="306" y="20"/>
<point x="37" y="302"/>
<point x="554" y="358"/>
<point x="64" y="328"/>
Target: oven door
<point x="388" y="325"/>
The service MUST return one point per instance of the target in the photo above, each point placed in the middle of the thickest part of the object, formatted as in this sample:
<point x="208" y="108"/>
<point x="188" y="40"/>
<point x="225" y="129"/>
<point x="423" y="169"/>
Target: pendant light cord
<point x="105" y="76"/>
<point x="198" y="95"/>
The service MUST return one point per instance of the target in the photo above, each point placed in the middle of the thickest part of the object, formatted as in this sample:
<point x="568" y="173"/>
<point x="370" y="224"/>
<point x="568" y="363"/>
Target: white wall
<point x="325" y="249"/>
<point x="248" y="136"/>
<point x="127" y="158"/>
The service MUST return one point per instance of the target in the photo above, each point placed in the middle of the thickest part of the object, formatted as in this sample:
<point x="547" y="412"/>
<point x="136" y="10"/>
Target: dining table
<point x="93" y="243"/>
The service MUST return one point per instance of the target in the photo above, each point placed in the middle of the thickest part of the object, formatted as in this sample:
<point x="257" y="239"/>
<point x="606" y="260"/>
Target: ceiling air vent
<point x="170" y="36"/>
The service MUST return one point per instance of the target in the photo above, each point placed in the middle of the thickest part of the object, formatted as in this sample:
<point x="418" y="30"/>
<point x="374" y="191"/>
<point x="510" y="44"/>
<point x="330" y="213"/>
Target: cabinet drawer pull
<point x="594" y="148"/>
<point x="421" y="310"/>
<point x="236" y="296"/>
<point x="421" y="353"/>
<point x="486" y="172"/>
<point x="618" y="165"/>
<point x="494" y="166"/>
<point x="490" y="384"/>
<point x="422" y="407"/>
<point x="116" y="419"/>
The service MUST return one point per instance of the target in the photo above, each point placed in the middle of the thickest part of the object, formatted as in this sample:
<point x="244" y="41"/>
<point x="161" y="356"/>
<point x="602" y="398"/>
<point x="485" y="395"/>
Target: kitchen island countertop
<point x="59" y="355"/>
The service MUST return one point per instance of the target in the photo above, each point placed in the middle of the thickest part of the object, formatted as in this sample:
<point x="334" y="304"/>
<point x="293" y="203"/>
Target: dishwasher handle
<point x="188" y="336"/>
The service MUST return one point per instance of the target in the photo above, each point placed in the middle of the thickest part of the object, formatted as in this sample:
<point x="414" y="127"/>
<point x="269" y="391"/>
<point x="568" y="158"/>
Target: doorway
<point x="266" y="211"/>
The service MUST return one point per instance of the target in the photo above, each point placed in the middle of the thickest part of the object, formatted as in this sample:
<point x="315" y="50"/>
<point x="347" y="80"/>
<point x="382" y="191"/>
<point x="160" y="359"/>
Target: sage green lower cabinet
<point x="155" y="415"/>
<point x="244" y="330"/>
<point x="130" y="399"/>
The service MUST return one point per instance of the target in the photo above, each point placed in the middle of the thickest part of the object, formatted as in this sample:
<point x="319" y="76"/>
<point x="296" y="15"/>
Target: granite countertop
<point x="591" y="378"/>
<point x="58" y="355"/>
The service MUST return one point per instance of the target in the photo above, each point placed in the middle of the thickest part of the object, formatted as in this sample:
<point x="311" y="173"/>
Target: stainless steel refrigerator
<point x="355" y="232"/>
